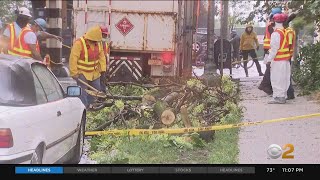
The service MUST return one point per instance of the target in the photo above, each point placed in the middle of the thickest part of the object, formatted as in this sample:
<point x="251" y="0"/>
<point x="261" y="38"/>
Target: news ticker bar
<point x="134" y="170"/>
<point x="265" y="169"/>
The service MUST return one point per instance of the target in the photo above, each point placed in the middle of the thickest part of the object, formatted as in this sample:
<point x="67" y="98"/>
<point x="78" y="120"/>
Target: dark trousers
<point x="253" y="55"/>
<point x="265" y="84"/>
<point x="85" y="97"/>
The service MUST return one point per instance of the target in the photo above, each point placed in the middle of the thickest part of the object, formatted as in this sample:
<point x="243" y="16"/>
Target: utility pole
<point x="188" y="37"/>
<point x="54" y="46"/>
<point x="223" y="31"/>
<point x="210" y="68"/>
<point x="225" y="19"/>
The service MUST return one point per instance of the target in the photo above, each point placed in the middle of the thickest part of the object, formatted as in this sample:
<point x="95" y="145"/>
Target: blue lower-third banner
<point x="39" y="170"/>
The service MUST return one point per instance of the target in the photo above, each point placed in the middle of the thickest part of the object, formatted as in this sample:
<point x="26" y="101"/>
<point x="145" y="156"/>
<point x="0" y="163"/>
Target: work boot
<point x="290" y="97"/>
<point x="278" y="100"/>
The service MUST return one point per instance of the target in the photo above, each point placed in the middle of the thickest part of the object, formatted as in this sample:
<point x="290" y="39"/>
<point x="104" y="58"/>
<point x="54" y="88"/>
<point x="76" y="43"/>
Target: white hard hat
<point x="24" y="11"/>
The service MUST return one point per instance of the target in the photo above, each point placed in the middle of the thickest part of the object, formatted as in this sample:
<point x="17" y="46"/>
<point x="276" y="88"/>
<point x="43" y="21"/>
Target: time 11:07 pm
<point x="289" y="170"/>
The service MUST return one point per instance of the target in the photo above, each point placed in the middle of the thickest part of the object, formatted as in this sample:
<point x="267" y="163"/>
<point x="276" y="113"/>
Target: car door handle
<point x="59" y="113"/>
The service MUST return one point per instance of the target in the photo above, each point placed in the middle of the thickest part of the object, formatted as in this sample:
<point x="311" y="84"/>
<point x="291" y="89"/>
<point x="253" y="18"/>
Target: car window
<point x="40" y="94"/>
<point x="49" y="83"/>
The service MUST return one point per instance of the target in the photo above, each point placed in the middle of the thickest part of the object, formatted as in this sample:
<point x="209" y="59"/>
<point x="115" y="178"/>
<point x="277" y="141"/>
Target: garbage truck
<point x="149" y="38"/>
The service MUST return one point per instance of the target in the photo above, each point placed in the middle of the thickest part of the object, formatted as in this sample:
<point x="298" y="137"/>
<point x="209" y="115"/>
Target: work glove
<point x="75" y="77"/>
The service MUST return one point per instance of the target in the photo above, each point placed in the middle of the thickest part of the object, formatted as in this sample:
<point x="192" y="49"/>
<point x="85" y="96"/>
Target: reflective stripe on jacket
<point x="283" y="52"/>
<point x="267" y="38"/>
<point x="12" y="35"/>
<point x="20" y="47"/>
<point x="105" y="47"/>
<point x="89" y="58"/>
<point x="291" y="35"/>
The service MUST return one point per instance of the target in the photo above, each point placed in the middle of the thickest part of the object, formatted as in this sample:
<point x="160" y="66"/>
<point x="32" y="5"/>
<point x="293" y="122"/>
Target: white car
<point x="39" y="122"/>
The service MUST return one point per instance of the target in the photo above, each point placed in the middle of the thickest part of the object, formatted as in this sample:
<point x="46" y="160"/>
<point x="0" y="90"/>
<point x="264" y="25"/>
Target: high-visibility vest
<point x="267" y="38"/>
<point x="105" y="47"/>
<point x="283" y="52"/>
<point x="1" y="45"/>
<point x="12" y="36"/>
<point x="89" y="58"/>
<point x="291" y="36"/>
<point x="20" y="47"/>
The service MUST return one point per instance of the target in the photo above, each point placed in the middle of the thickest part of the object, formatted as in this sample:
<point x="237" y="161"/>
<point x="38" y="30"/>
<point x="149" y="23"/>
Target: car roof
<point x="9" y="60"/>
<point x="18" y="82"/>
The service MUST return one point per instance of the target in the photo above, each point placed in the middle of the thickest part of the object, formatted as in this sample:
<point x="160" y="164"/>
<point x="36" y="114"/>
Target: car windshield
<point x="16" y="85"/>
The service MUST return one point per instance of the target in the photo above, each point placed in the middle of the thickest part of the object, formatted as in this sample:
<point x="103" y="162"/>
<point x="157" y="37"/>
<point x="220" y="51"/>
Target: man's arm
<point x="241" y="42"/>
<point x="274" y="46"/>
<point x="6" y="39"/>
<point x="45" y="35"/>
<point x="232" y="40"/>
<point x="35" y="54"/>
<point x="31" y="39"/>
<point x="270" y="29"/>
<point x="102" y="61"/>
<point x="73" y="60"/>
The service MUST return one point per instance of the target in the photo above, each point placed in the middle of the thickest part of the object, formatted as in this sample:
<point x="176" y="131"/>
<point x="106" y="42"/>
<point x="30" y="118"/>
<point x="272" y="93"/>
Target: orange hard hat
<point x="104" y="30"/>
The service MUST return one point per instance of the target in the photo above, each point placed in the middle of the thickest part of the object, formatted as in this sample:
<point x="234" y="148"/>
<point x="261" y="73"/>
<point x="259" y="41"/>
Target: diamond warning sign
<point x="124" y="26"/>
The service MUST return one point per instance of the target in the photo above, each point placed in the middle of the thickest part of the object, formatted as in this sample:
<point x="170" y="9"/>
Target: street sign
<point x="124" y="26"/>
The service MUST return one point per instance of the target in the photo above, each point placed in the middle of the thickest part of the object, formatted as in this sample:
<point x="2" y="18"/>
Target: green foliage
<point x="228" y="86"/>
<point x="308" y="10"/>
<point x="307" y="74"/>
<point x="198" y="109"/>
<point x="139" y="149"/>
<point x="126" y="90"/>
<point x="298" y="23"/>
<point x="164" y="148"/>
<point x="7" y="8"/>
<point x="94" y="119"/>
<point x="119" y="104"/>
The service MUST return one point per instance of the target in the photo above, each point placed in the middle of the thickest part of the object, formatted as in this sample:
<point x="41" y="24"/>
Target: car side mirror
<point x="73" y="91"/>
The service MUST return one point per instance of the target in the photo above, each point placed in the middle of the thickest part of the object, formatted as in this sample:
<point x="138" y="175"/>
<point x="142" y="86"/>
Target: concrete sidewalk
<point x="254" y="140"/>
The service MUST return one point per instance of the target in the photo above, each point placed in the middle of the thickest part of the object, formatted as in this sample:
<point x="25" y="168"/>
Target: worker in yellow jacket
<point x="87" y="62"/>
<point x="248" y="46"/>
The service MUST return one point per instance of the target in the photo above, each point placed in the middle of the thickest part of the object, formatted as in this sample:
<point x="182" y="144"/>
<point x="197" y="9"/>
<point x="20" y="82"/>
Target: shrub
<point x="307" y="71"/>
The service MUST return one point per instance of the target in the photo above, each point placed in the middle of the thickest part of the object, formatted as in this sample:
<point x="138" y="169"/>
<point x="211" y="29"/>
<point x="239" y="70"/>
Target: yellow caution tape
<point x="130" y="132"/>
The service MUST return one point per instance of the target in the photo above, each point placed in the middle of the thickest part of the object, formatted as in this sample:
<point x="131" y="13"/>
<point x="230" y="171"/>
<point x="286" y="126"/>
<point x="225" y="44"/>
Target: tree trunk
<point x="224" y="22"/>
<point x="164" y="113"/>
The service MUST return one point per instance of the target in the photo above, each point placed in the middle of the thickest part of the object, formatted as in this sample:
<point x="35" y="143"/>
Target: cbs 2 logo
<point x="275" y="151"/>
